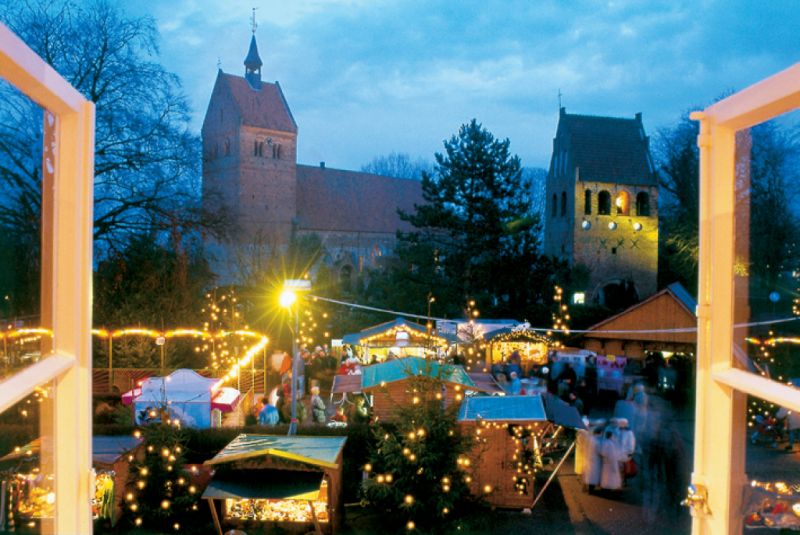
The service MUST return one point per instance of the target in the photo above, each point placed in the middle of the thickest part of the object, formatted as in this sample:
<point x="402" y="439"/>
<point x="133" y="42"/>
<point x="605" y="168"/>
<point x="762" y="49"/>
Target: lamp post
<point x="289" y="297"/>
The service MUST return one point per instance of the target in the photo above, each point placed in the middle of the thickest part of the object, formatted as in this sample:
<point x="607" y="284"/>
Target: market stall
<point x="388" y="384"/>
<point x="515" y="437"/>
<point x="531" y="345"/>
<point x="185" y="395"/>
<point x="27" y="492"/>
<point x="292" y="482"/>
<point x="399" y="337"/>
<point x="610" y="373"/>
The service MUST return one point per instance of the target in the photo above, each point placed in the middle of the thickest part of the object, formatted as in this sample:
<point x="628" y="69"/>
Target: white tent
<point x="186" y="395"/>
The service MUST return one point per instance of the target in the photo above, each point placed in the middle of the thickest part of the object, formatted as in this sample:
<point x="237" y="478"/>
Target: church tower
<point x="602" y="207"/>
<point x="250" y="156"/>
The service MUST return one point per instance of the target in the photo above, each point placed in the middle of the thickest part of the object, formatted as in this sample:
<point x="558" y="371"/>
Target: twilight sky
<point x="367" y="77"/>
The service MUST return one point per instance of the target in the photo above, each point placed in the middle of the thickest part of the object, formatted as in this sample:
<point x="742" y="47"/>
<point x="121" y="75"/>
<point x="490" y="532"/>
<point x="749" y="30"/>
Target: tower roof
<point x="607" y="149"/>
<point x="253" y="60"/>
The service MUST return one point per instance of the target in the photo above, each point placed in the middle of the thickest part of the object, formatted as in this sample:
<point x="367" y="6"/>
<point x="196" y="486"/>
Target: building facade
<point x="250" y="172"/>
<point x="602" y="207"/>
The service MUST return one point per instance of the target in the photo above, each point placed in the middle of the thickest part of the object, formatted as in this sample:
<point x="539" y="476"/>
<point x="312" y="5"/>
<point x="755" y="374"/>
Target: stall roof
<point x="399" y="369"/>
<point x="399" y="323"/>
<point x="346" y="383"/>
<point x="516" y="333"/>
<point x="486" y="382"/>
<point x="264" y="484"/>
<point x="502" y="409"/>
<point x="105" y="449"/>
<point x="318" y="451"/>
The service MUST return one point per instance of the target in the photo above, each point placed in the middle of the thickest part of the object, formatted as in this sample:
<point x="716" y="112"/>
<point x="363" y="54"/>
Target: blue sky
<point x="367" y="77"/>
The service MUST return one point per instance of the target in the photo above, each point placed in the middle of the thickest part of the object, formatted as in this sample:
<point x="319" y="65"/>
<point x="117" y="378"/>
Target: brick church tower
<point x="602" y="206"/>
<point x="250" y="155"/>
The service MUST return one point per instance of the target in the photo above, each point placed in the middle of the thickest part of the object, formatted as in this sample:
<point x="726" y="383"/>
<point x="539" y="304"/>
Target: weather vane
<point x="255" y="25"/>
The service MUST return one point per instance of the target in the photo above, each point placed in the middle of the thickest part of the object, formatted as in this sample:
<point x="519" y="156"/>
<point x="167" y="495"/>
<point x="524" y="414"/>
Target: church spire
<point x="252" y="63"/>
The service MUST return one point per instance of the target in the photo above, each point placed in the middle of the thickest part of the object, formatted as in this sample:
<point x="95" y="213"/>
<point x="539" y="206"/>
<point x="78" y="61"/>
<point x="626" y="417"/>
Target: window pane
<point x="26" y="475"/>
<point x="21" y="131"/>
<point x="767" y="264"/>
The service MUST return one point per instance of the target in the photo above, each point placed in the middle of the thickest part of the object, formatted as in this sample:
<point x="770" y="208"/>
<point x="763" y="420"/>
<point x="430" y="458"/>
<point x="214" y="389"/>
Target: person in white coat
<point x="611" y="475"/>
<point x="626" y="440"/>
<point x="581" y="441"/>
<point x="593" y="466"/>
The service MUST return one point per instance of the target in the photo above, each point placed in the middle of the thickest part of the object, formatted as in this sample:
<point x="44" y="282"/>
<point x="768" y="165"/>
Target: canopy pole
<point x="317" y="527"/>
<point x="215" y="516"/>
<point x="547" y="483"/>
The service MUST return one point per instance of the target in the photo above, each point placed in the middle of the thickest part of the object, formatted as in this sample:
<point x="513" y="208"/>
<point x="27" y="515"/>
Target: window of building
<point x="554" y="211"/>
<point x="587" y="202"/>
<point x="276" y="151"/>
<point x="563" y="203"/>
<point x="604" y="203"/>
<point x="623" y="203"/>
<point x="255" y="148"/>
<point x="227" y="147"/>
<point x="643" y="203"/>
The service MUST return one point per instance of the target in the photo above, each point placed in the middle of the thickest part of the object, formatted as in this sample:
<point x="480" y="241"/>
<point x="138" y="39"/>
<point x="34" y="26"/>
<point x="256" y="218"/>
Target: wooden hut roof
<point x="672" y="309"/>
<point x="384" y="334"/>
<point x="317" y="451"/>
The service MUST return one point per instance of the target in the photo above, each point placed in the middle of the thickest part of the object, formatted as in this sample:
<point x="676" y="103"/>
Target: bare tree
<point x="398" y="165"/>
<point x="146" y="159"/>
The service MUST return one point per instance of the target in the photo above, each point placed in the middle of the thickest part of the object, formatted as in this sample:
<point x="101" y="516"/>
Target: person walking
<point x="268" y="415"/>
<point x="593" y="464"/>
<point x="791" y="424"/>
<point x="317" y="406"/>
<point x="611" y="475"/>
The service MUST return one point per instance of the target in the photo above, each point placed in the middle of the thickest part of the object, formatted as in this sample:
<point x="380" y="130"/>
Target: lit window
<point x="622" y="203"/>
<point x="579" y="298"/>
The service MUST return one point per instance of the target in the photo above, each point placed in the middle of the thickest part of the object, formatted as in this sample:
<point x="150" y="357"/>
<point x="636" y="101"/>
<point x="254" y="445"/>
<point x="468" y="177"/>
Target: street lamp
<point x="429" y="326"/>
<point x="288" y="298"/>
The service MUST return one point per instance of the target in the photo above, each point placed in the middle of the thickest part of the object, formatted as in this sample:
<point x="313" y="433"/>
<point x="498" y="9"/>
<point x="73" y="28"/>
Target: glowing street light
<point x="287" y="299"/>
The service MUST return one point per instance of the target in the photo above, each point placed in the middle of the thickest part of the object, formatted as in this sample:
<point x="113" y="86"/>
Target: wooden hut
<point x="664" y="322"/>
<point x="503" y="457"/>
<point x="111" y="456"/>
<point x="400" y="337"/>
<point x="390" y="384"/>
<point x="532" y="345"/>
<point x="293" y="482"/>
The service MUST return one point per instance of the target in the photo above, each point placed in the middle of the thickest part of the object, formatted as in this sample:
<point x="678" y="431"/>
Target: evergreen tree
<point x="162" y="495"/>
<point x="477" y="235"/>
<point x="418" y="468"/>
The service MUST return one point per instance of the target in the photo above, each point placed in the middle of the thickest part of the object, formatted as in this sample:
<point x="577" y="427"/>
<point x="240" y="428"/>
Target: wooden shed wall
<point x="386" y="399"/>
<point x="493" y="464"/>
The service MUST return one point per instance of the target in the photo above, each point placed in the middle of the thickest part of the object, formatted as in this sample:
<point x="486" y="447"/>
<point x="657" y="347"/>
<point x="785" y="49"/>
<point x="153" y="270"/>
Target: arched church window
<point x="643" y="203"/>
<point x="604" y="203"/>
<point x="587" y="202"/>
<point x="563" y="203"/>
<point x="554" y="211"/>
<point x="623" y="203"/>
<point x="255" y="148"/>
<point x="227" y="147"/>
<point x="346" y="277"/>
<point x="276" y="151"/>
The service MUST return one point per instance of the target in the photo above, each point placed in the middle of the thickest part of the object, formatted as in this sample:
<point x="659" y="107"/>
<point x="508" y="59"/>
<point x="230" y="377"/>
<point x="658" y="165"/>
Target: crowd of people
<point x="604" y="454"/>
<point x="309" y="406"/>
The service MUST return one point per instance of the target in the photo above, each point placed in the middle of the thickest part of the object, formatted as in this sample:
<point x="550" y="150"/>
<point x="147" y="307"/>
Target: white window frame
<point x="720" y="427"/>
<point x="66" y="282"/>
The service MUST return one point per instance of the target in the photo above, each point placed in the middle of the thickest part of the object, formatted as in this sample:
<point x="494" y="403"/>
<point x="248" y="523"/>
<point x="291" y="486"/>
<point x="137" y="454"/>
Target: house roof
<point x="263" y="108"/>
<point x="399" y="369"/>
<point x="317" y="451"/>
<point x="350" y="201"/>
<point x="502" y="409"/>
<point x="672" y="309"/>
<point x="607" y="149"/>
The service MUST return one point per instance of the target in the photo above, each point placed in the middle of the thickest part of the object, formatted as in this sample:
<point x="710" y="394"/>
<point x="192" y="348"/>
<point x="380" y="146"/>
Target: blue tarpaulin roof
<point x="503" y="409"/>
<point x="317" y="451"/>
<point x="399" y="369"/>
